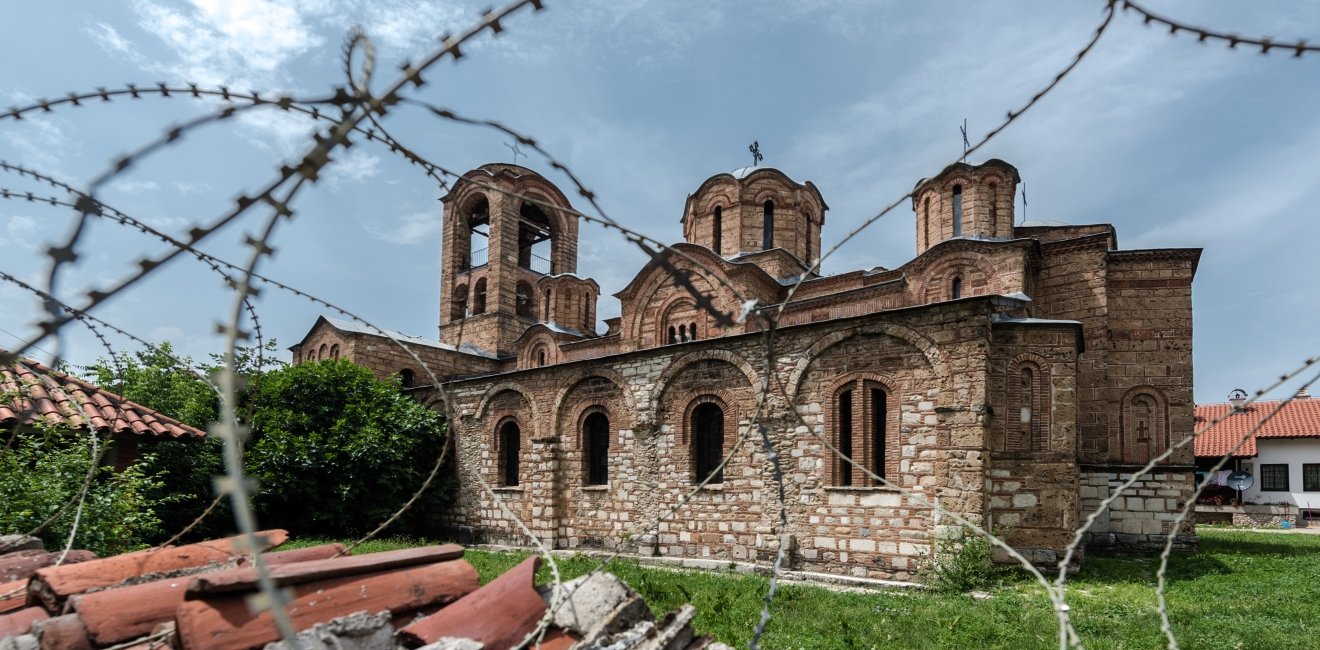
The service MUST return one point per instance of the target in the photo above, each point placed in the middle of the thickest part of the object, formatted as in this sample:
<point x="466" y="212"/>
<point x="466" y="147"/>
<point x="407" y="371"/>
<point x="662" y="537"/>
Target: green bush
<point x="959" y="568"/>
<point x="43" y="470"/>
<point x="336" y="452"/>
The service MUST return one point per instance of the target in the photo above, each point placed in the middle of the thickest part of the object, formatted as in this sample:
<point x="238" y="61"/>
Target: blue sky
<point x="1176" y="143"/>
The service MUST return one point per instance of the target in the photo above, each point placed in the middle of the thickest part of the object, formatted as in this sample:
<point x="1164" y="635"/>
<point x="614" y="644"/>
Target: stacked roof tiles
<point x="31" y="392"/>
<point x="1299" y="418"/>
<point x="206" y="595"/>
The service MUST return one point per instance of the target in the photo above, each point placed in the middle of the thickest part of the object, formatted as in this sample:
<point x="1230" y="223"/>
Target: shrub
<point x="41" y="472"/>
<point x="962" y="568"/>
<point x="336" y="452"/>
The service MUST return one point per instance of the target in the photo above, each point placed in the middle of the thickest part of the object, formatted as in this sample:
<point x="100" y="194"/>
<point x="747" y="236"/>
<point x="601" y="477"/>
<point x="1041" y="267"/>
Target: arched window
<point x="861" y="425"/>
<point x="320" y="354"/>
<point x="708" y="442"/>
<point x="586" y="313"/>
<point x="956" y="289"/>
<point x="407" y="378"/>
<point x="807" y="250"/>
<point x="1028" y="417"/>
<point x="458" y="306"/>
<point x="717" y="231"/>
<point x="510" y="443"/>
<point x="547" y="305"/>
<point x="994" y="208"/>
<point x="925" y="222"/>
<point x="478" y="211"/>
<point x="673" y="335"/>
<point x="523" y="297"/>
<point x="535" y="239"/>
<point x="768" y="225"/>
<point x="957" y="211"/>
<point x="334" y="351"/>
<point x="692" y="331"/>
<point x="479" y="298"/>
<point x="540" y="357"/>
<point x="596" y="439"/>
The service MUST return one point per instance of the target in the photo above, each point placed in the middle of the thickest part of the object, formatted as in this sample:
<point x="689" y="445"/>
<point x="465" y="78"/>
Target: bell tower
<point x="505" y="228"/>
<point x="972" y="201"/>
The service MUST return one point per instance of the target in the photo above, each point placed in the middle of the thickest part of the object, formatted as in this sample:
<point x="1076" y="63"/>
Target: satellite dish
<point x="1241" y="480"/>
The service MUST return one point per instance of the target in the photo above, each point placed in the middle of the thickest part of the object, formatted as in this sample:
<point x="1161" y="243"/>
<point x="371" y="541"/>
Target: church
<point x="1011" y="373"/>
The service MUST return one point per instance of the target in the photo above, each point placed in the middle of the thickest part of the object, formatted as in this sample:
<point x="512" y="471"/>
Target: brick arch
<point x="660" y="280"/>
<point x="536" y="196"/>
<point x="726" y="401"/>
<point x="1128" y="436"/>
<point x="494" y="391"/>
<point x="680" y="364"/>
<point x="572" y="381"/>
<point x="539" y="341"/>
<point x="829" y="397"/>
<point x="935" y="277"/>
<point x="927" y="347"/>
<point x="1041" y="409"/>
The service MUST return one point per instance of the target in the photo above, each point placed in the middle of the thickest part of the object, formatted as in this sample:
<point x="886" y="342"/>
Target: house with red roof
<point x="1276" y="442"/>
<point x="33" y="394"/>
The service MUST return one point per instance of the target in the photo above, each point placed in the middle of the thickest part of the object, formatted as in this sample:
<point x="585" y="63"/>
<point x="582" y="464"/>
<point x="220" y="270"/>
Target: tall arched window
<point x="596" y="439"/>
<point x="673" y="334"/>
<point x="768" y="225"/>
<point x="540" y="357"/>
<point x="479" y="298"/>
<point x="1028" y="418"/>
<point x="407" y="378"/>
<point x="861" y="424"/>
<point x="692" y="331"/>
<point x="1145" y="424"/>
<point x="708" y="442"/>
<point x="320" y="353"/>
<point x="334" y="351"/>
<point x="458" y="306"/>
<point x="586" y="313"/>
<point x="510" y="443"/>
<point x="956" y="289"/>
<point x="957" y="211"/>
<point x="717" y="230"/>
<point x="925" y="221"/>
<point x="994" y="208"/>
<point x="547" y="305"/>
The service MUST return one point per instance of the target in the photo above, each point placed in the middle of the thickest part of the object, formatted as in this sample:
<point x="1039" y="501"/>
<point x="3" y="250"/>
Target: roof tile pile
<point x="202" y="596"/>
<point x="1299" y="418"/>
<point x="31" y="392"/>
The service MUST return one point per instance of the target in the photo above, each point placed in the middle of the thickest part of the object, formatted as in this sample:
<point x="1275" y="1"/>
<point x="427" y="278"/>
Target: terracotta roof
<point x="30" y="391"/>
<point x="201" y="594"/>
<point x="1299" y="418"/>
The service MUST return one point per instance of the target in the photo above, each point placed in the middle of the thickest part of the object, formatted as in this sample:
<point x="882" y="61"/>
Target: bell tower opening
<point x="535" y="239"/>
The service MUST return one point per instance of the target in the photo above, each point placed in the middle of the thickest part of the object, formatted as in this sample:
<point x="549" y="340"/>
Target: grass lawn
<point x="1242" y="590"/>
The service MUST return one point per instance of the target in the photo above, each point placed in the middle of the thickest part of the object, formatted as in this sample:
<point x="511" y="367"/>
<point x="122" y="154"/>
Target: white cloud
<point x="19" y="230"/>
<point x="350" y="167"/>
<point x="134" y="187"/>
<point x="414" y="228"/>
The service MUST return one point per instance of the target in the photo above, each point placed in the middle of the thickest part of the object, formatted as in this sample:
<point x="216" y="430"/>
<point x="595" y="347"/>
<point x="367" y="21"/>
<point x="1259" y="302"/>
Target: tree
<point x="336" y="451"/>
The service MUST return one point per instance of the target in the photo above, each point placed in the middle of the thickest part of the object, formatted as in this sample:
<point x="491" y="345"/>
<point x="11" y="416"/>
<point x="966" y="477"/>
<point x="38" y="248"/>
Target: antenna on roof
<point x="1024" y="203"/>
<point x="755" y="148"/>
<point x="966" y="144"/>
<point x="516" y="151"/>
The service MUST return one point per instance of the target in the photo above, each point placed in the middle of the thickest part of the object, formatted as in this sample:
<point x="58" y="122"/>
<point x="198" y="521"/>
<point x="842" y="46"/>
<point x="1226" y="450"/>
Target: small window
<point x="510" y="441"/>
<point x="956" y="289"/>
<point x="768" y="225"/>
<point x="407" y="378"/>
<point x="925" y="222"/>
<point x="1311" y="477"/>
<point x="708" y="442"/>
<point x="1274" y="478"/>
<point x="596" y="437"/>
<point x="547" y="305"/>
<point x="586" y="313"/>
<point x="320" y="354"/>
<point x="692" y="331"/>
<point x="334" y="351"/>
<point x="717" y="230"/>
<point x="540" y="357"/>
<point x="957" y="211"/>
<point x="673" y="335"/>
<point x="994" y="209"/>
<point x="523" y="298"/>
<point x="459" y="304"/>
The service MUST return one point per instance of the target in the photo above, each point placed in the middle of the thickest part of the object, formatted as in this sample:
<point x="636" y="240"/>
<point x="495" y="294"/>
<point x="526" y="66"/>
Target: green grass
<point x="1242" y="590"/>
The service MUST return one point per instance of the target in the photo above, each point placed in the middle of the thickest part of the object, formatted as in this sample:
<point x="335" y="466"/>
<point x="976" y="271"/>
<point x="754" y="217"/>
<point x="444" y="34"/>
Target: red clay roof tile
<point x="499" y="615"/>
<point x="30" y="391"/>
<point x="1299" y="418"/>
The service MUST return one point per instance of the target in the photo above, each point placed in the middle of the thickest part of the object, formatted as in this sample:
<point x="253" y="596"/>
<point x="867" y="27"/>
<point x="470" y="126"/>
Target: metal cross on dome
<point x="517" y="151"/>
<point x="755" y="148"/>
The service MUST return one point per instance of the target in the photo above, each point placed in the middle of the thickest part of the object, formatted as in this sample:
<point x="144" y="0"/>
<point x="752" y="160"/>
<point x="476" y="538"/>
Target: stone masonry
<point x="1011" y="375"/>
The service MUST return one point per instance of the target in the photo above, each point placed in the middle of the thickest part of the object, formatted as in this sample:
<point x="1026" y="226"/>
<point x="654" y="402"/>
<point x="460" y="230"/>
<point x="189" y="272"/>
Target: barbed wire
<point x="357" y="104"/>
<point x="1265" y="43"/>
